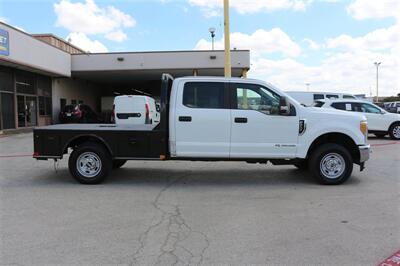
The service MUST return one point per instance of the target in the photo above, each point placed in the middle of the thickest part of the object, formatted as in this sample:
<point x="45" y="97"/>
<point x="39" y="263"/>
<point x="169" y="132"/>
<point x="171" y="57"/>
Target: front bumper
<point x="365" y="151"/>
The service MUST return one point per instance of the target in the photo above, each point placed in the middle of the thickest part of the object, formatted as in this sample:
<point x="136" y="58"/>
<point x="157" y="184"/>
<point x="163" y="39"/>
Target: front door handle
<point x="240" y="119"/>
<point x="185" y="118"/>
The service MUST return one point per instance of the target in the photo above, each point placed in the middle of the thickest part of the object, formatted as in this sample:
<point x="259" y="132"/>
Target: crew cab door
<point x="202" y="120"/>
<point x="258" y="130"/>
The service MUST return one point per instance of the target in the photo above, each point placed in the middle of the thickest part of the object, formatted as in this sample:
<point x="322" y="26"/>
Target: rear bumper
<point x="365" y="151"/>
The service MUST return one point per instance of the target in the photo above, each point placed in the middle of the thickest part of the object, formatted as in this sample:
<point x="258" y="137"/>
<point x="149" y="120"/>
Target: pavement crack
<point x="169" y="240"/>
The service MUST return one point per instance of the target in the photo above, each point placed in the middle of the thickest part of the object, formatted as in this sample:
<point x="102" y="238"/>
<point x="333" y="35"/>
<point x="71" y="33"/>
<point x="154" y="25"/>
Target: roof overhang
<point x="122" y="68"/>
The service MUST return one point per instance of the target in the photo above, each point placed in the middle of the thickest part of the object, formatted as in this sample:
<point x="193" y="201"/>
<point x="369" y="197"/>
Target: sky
<point x="330" y="44"/>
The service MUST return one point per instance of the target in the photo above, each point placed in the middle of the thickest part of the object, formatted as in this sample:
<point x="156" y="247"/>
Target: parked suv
<point x="78" y="113"/>
<point x="380" y="122"/>
<point x="394" y="107"/>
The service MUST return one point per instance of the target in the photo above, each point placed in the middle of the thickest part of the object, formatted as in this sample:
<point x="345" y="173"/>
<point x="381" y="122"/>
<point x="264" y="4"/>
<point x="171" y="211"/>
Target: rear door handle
<point x="240" y="119"/>
<point x="185" y="118"/>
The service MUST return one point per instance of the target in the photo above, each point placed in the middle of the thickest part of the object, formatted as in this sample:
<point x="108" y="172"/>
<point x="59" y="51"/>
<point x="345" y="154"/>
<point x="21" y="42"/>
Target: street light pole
<point x="228" y="70"/>
<point x="377" y="64"/>
<point x="212" y="32"/>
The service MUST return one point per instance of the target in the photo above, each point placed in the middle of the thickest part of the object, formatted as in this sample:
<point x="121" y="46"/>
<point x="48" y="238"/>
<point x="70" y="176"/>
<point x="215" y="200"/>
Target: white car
<point x="380" y="122"/>
<point x="135" y="110"/>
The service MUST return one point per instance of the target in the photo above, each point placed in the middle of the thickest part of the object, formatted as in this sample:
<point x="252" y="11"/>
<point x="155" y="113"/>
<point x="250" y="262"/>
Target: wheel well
<point x="392" y="124"/>
<point x="86" y="138"/>
<point x="338" y="138"/>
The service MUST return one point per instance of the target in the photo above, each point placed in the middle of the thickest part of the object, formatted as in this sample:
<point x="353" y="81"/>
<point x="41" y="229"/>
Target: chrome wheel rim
<point x="88" y="164"/>
<point x="396" y="132"/>
<point x="332" y="165"/>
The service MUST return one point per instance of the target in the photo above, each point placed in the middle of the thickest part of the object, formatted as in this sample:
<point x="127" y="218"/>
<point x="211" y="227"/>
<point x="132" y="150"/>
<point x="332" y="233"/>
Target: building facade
<point x="41" y="73"/>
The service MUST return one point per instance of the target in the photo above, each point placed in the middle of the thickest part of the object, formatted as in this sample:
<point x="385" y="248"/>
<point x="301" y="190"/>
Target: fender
<point x="315" y="132"/>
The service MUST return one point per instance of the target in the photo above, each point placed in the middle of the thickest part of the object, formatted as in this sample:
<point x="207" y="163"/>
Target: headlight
<point x="364" y="127"/>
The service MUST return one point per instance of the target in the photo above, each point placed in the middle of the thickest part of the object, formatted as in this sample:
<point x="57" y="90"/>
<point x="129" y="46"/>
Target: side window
<point x="368" y="108"/>
<point x="319" y="97"/>
<point x="356" y="107"/>
<point x="340" y="106"/>
<point x="204" y="95"/>
<point x="332" y="96"/>
<point x="258" y="98"/>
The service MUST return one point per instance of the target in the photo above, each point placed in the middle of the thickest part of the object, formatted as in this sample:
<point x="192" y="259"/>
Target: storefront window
<point x="25" y="82"/>
<point x="45" y="105"/>
<point x="43" y="86"/>
<point x="6" y="80"/>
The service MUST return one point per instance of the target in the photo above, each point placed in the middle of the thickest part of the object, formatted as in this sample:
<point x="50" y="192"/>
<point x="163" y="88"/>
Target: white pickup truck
<point x="217" y="119"/>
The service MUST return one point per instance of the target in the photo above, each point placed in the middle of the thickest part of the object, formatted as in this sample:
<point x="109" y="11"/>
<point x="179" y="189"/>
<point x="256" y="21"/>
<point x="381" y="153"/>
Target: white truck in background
<point x="308" y="98"/>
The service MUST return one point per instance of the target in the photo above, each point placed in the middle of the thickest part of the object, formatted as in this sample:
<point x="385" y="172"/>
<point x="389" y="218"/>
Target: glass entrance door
<point x="21" y="110"/>
<point x="27" y="111"/>
<point x="31" y="111"/>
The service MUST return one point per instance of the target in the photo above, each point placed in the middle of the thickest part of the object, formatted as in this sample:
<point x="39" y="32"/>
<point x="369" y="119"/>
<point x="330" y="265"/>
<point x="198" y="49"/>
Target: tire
<point x="380" y="135"/>
<point x="118" y="163"/>
<point x="325" y="162"/>
<point x="394" y="131"/>
<point x="301" y="165"/>
<point x="90" y="155"/>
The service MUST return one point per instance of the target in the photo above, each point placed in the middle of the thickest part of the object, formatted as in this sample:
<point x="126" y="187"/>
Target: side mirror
<point x="284" y="106"/>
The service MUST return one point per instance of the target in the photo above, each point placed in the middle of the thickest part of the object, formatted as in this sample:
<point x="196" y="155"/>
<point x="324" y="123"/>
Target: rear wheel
<point x="90" y="163"/>
<point x="394" y="131"/>
<point x="331" y="164"/>
<point x="118" y="163"/>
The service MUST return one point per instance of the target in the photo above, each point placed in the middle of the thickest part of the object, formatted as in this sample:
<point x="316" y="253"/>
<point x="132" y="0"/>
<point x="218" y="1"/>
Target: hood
<point x="333" y="113"/>
<point x="393" y="116"/>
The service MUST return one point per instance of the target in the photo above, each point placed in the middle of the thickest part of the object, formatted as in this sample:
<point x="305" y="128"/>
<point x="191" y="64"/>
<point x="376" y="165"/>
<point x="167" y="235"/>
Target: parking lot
<point x="225" y="213"/>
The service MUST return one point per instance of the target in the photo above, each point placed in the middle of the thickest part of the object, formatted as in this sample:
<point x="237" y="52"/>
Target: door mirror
<point x="284" y="106"/>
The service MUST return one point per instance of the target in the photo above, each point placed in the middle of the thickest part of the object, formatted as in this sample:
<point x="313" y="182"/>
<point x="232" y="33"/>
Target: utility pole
<point x="377" y="64"/>
<point x="228" y="70"/>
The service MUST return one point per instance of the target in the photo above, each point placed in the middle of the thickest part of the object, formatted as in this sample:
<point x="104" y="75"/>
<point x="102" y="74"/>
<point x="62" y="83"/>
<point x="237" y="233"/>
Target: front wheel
<point x="90" y="163"/>
<point x="331" y="164"/>
<point x="394" y="131"/>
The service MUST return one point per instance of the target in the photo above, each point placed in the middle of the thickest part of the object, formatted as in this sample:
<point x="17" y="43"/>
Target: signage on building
<point x="4" y="43"/>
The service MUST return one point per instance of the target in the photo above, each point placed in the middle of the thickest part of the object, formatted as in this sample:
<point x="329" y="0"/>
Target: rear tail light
<point x="147" y="121"/>
<point x="78" y="113"/>
<point x="35" y="154"/>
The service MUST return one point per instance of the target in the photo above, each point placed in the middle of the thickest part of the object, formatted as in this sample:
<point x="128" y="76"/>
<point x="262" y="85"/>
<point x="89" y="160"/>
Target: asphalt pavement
<point x="196" y="213"/>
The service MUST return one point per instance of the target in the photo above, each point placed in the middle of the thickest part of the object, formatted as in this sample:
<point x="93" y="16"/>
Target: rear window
<point x="204" y="95"/>
<point x="70" y="108"/>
